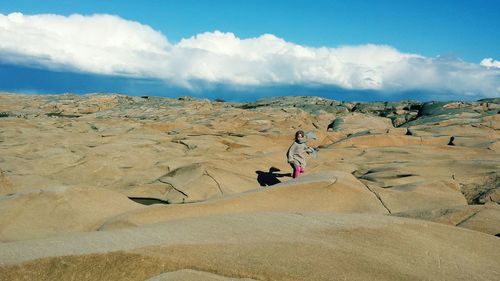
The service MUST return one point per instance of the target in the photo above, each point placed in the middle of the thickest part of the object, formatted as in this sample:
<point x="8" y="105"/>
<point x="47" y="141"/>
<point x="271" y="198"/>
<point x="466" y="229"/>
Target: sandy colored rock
<point x="235" y="212"/>
<point x="420" y="195"/>
<point x="323" y="191"/>
<point x="193" y="275"/>
<point x="277" y="246"/>
<point x="473" y="171"/>
<point x="190" y="184"/>
<point x="355" y="122"/>
<point x="5" y="184"/>
<point x="58" y="210"/>
<point x="391" y="140"/>
<point x="483" y="218"/>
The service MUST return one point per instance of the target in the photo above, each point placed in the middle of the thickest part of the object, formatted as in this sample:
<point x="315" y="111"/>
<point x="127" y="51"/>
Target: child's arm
<point x="290" y="155"/>
<point x="309" y="150"/>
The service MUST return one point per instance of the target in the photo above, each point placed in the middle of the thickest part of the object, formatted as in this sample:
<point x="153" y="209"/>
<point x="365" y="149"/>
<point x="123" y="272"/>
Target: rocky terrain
<point x="114" y="187"/>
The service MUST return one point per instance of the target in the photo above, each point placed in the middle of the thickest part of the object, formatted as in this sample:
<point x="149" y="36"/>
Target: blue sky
<point x="350" y="49"/>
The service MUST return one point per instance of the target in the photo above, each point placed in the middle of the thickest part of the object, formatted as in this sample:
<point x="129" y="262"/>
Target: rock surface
<point x="218" y="200"/>
<point x="483" y="218"/>
<point x="267" y="246"/>
<point x="59" y="210"/>
<point x="193" y="275"/>
<point x="323" y="191"/>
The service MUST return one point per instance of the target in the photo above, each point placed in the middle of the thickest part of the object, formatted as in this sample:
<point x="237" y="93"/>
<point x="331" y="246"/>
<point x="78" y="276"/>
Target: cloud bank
<point x="110" y="45"/>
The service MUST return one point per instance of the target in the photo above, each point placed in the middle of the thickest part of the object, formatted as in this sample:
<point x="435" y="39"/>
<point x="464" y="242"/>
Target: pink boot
<point x="297" y="171"/>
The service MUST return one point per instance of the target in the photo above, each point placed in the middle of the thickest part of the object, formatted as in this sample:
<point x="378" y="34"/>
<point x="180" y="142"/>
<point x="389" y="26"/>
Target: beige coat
<point x="296" y="153"/>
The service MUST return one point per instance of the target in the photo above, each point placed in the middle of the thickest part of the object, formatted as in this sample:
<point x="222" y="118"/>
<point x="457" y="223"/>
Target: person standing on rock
<point x="296" y="154"/>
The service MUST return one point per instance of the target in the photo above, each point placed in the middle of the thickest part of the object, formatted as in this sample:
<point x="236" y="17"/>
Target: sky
<point x="244" y="50"/>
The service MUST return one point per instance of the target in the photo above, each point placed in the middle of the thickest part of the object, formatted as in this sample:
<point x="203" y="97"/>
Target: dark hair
<point x="299" y="133"/>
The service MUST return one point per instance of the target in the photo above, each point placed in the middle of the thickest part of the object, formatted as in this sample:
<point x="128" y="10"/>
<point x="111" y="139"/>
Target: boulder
<point x="355" y="122"/>
<point x="189" y="183"/>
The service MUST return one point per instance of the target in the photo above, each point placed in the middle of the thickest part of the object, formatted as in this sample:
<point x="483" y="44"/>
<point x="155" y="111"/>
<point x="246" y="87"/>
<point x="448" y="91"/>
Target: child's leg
<point x="301" y="169"/>
<point x="293" y="170"/>
<point x="296" y="171"/>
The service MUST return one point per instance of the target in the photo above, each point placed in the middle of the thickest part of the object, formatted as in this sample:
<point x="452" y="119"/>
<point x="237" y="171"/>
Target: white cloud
<point x="101" y="44"/>
<point x="105" y="44"/>
<point x="489" y="62"/>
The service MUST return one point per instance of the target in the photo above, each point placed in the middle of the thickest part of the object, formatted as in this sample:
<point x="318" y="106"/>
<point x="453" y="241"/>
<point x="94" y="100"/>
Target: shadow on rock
<point x="271" y="177"/>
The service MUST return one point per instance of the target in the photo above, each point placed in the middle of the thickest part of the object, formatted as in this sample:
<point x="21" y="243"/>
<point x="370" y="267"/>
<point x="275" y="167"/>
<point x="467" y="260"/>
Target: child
<point x="295" y="154"/>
